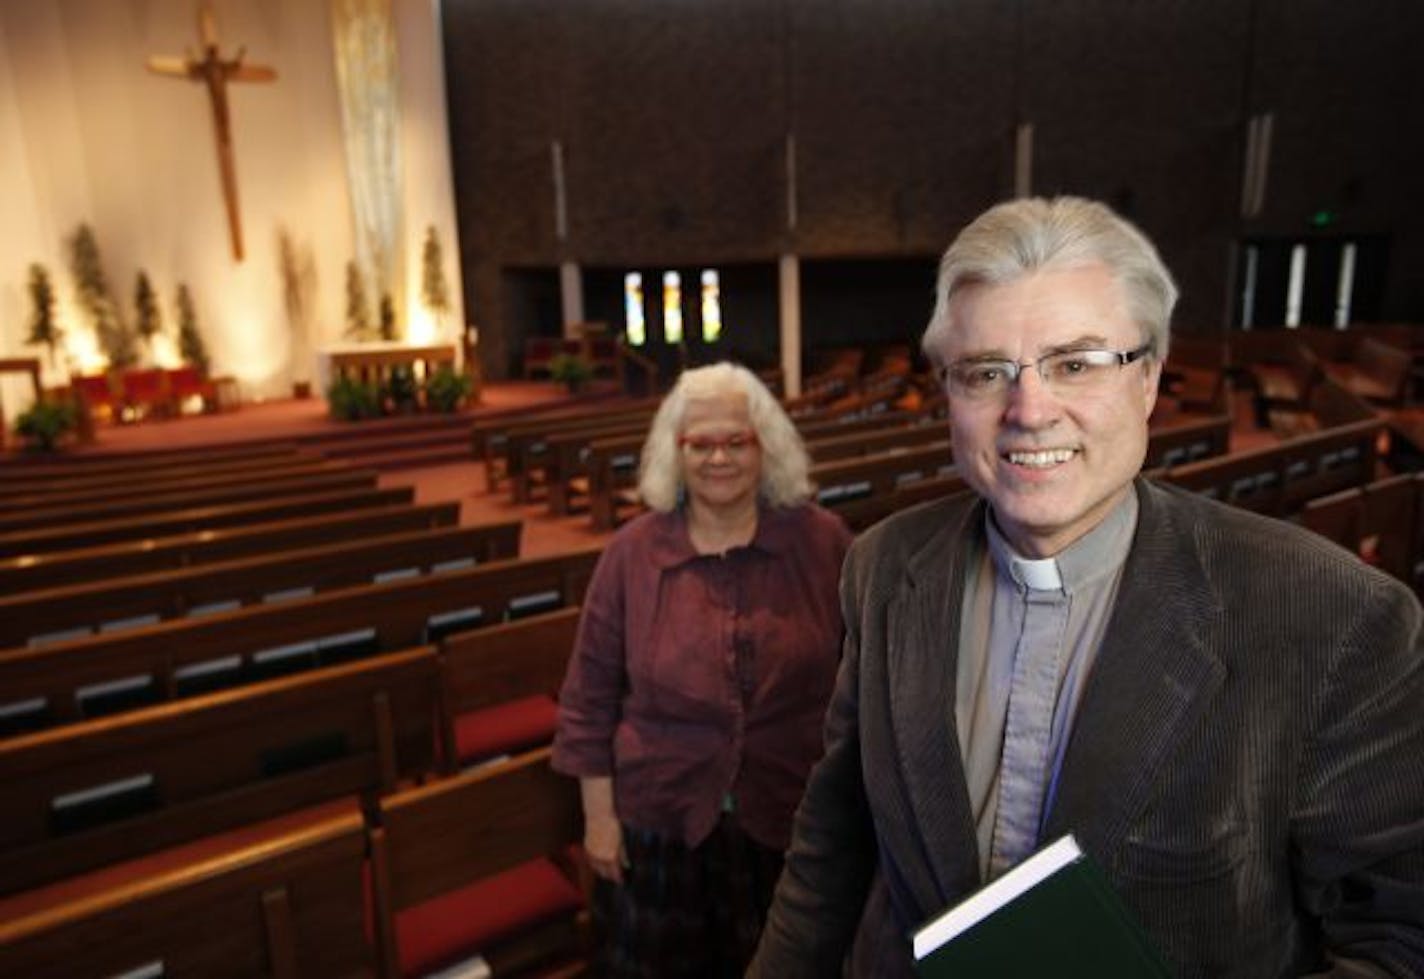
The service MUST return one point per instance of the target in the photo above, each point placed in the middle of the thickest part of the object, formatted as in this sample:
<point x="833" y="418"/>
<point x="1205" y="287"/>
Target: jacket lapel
<point x="922" y="632"/>
<point x="1153" y="677"/>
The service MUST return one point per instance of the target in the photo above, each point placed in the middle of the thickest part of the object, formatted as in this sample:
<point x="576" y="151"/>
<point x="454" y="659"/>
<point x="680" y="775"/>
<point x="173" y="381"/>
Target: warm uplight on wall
<point x="82" y="352"/>
<point x="672" y="307"/>
<point x="421" y="330"/>
<point x="635" y="325"/>
<point x="711" y="306"/>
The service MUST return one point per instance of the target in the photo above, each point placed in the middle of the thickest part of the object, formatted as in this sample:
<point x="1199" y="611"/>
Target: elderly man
<point x="1226" y="711"/>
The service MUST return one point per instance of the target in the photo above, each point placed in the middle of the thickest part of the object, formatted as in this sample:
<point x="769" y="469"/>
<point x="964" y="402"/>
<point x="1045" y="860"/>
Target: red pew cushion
<point x="460" y="923"/>
<point x="505" y="728"/>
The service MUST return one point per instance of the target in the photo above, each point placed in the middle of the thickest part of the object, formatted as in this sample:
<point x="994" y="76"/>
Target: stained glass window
<point x="636" y="327"/>
<point x="711" y="306"/>
<point x="672" y="307"/>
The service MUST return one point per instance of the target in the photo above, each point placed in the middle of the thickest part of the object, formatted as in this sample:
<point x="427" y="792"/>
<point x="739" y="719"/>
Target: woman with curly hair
<point x="705" y="658"/>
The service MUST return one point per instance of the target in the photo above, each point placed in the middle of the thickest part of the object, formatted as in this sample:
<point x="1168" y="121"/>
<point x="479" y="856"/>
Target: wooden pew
<point x="1329" y="406"/>
<point x="845" y="480"/>
<point x="118" y="560"/>
<point x="1285" y="385"/>
<point x="565" y="456"/>
<point x="1277" y="480"/>
<point x="489" y="438"/>
<point x="1375" y="371"/>
<point x="68" y="681"/>
<point x="116" y="466"/>
<point x="1378" y="522"/>
<point x="863" y="513"/>
<point x="875" y="441"/>
<point x="88" y="795"/>
<point x="89" y="491"/>
<point x="289" y="907"/>
<point x="526" y="446"/>
<point x="1186" y="438"/>
<point x="1195" y="372"/>
<point x="342" y="478"/>
<point x="72" y="536"/>
<point x="500" y="685"/>
<point x="281" y="576"/>
<point x="467" y="850"/>
<point x="20" y="480"/>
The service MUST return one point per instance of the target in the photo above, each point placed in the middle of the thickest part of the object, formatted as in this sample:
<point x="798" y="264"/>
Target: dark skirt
<point x="685" y="912"/>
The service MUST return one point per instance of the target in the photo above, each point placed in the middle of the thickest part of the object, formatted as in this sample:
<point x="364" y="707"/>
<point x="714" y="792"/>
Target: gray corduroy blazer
<point x="1246" y="764"/>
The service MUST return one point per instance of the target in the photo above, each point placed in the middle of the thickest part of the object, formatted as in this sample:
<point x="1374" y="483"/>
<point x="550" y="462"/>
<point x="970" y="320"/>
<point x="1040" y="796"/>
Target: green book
<point x="1052" y="915"/>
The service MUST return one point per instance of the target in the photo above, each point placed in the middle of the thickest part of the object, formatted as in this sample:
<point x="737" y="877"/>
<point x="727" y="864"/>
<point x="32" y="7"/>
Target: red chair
<point x="145" y="391"/>
<point x="97" y="397"/>
<point x="186" y="382"/>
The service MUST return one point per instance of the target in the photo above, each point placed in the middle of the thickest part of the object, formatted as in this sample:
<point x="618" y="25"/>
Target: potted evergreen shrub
<point x="351" y="400"/>
<point x="45" y="423"/>
<point x="571" y="370"/>
<point x="401" y="392"/>
<point x="446" y="390"/>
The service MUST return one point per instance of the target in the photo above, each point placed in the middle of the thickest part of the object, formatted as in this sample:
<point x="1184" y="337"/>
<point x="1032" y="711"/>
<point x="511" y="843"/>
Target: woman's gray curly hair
<point x="785" y="466"/>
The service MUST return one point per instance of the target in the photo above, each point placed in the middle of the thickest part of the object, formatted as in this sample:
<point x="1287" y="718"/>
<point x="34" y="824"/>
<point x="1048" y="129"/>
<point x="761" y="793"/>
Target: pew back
<point x="68" y="681"/>
<point x="280" y="576"/>
<point x="72" y="536"/>
<point x="441" y="837"/>
<point x="286" y="908"/>
<point x="207" y="546"/>
<point x="87" y="795"/>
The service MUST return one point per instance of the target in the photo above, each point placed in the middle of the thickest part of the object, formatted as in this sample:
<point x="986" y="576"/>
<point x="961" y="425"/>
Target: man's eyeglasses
<point x="1066" y="372"/>
<point x="704" y="445"/>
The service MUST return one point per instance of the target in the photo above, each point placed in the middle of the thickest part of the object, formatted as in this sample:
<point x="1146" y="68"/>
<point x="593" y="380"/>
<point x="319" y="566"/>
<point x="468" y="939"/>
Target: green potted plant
<point x="45" y="423"/>
<point x="571" y="370"/>
<point x="351" y="400"/>
<point x="401" y="392"/>
<point x="447" y="389"/>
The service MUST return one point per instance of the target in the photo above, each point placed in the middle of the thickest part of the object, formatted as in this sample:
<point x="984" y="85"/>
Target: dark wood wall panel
<point x="1344" y="82"/>
<point x="505" y="65"/>
<point x="1139" y="105"/>
<point x="903" y="114"/>
<point x="673" y="115"/>
<point x="674" y="121"/>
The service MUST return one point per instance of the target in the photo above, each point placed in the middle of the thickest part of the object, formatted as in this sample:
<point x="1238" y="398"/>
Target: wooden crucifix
<point x="215" y="72"/>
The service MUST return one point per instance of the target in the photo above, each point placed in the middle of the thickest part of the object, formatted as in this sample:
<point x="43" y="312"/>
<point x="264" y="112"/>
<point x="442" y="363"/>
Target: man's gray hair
<point x="1014" y="239"/>
<point x="785" y="465"/>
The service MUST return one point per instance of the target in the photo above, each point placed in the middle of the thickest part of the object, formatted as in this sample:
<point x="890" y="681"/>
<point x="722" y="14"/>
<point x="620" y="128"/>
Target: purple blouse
<point x="699" y="677"/>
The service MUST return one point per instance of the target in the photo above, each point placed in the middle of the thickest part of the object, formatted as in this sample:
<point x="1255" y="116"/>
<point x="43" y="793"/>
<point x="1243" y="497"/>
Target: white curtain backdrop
<point x="368" y="84"/>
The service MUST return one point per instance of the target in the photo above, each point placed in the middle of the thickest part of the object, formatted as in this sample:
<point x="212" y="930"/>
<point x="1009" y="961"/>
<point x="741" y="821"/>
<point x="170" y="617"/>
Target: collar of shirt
<point x="1099" y="552"/>
<point x="670" y="545"/>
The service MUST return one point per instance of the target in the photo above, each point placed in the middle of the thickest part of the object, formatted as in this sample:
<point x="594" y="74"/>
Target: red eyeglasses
<point x="705" y="445"/>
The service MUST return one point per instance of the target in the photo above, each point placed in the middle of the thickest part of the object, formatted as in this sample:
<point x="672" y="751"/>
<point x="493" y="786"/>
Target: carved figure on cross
<point x="215" y="72"/>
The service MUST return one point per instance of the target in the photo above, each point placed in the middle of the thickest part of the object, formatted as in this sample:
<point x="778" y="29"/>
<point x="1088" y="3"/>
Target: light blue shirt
<point x="1030" y="632"/>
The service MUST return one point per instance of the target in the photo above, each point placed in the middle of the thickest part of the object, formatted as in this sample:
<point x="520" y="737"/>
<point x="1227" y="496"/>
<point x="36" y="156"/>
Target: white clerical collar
<point x="1100" y="551"/>
<point x="1039" y="575"/>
